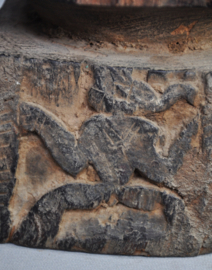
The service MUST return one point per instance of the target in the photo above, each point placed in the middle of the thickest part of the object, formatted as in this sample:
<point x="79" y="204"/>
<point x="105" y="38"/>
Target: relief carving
<point x="106" y="128"/>
<point x="115" y="90"/>
<point x="100" y="182"/>
<point x="116" y="146"/>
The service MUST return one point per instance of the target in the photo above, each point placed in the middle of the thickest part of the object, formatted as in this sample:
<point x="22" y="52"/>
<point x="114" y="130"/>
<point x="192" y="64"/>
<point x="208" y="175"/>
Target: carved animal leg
<point x="150" y="199"/>
<point x="60" y="142"/>
<point x="181" y="146"/>
<point x="42" y="222"/>
<point x="156" y="168"/>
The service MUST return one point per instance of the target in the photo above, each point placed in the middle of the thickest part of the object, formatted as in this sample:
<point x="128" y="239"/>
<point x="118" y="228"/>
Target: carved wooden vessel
<point x="105" y="148"/>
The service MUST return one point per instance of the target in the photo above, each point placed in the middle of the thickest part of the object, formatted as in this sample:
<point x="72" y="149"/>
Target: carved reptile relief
<point x="115" y="146"/>
<point x="106" y="136"/>
<point x="115" y="90"/>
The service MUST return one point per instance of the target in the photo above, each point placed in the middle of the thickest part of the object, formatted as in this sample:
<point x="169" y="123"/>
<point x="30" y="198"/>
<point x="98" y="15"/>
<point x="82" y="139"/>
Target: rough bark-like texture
<point x="102" y="153"/>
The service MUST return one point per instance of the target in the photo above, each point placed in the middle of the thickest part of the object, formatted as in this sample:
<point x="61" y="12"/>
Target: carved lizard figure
<point x="115" y="90"/>
<point x="115" y="146"/>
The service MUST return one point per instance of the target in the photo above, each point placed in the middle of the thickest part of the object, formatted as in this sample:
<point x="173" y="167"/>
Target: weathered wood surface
<point x="103" y="150"/>
<point x="177" y="29"/>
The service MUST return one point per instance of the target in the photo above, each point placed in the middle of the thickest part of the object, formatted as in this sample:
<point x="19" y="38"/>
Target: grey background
<point x="20" y="258"/>
<point x="1" y="3"/>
